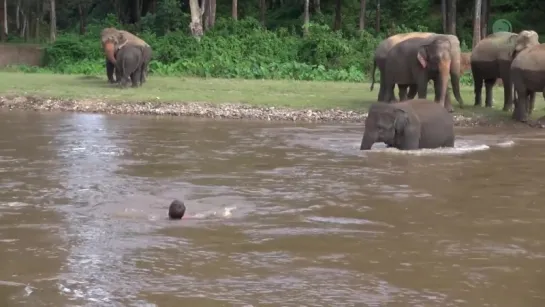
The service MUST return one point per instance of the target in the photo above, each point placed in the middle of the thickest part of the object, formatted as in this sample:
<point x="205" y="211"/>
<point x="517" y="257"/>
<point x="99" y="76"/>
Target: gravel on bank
<point x="201" y="109"/>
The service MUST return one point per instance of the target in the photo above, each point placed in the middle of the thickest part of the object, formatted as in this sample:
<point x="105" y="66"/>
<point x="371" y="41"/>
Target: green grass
<point x="281" y="93"/>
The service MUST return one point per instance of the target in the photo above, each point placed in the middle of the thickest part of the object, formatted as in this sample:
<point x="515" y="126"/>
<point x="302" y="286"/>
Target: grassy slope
<point x="294" y="94"/>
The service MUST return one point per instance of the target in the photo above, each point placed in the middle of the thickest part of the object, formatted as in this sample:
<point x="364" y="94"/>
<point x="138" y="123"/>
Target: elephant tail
<point x="373" y="74"/>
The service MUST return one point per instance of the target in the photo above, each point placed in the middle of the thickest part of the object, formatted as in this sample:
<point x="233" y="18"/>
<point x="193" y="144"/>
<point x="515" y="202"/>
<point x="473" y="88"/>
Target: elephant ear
<point x="422" y="56"/>
<point x="401" y="120"/>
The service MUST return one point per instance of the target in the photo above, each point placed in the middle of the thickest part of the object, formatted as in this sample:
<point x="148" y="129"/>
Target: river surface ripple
<point x="281" y="214"/>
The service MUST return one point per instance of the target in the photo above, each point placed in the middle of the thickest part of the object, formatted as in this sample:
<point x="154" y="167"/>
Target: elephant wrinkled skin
<point x="528" y="77"/>
<point x="418" y="60"/>
<point x="380" y="61"/>
<point x="491" y="59"/>
<point x="129" y="60"/>
<point x="408" y="125"/>
<point x="111" y="39"/>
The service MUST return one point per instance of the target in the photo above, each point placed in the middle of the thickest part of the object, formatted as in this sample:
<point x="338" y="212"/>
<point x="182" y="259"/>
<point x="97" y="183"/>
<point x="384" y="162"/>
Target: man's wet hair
<point x="176" y="210"/>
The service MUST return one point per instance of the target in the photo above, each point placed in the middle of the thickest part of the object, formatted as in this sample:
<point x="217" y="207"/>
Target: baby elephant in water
<point x="408" y="125"/>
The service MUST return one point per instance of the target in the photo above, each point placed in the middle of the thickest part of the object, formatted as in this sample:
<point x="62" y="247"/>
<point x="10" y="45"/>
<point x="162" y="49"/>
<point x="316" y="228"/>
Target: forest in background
<point x="252" y="39"/>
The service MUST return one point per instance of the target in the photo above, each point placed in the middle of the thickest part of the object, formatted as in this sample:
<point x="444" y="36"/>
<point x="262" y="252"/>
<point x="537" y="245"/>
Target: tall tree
<point x="362" y="14"/>
<point x="485" y="16"/>
<point x="234" y="10"/>
<point x="52" y="21"/>
<point x="262" y="11"/>
<point x="306" y="17"/>
<point x="377" y="21"/>
<point x="5" y="21"/>
<point x="196" y="18"/>
<point x="338" y="17"/>
<point x="451" y="17"/>
<point x="477" y="22"/>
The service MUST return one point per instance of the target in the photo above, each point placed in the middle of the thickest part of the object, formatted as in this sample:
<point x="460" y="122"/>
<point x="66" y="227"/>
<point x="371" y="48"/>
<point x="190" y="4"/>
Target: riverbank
<point x="213" y="98"/>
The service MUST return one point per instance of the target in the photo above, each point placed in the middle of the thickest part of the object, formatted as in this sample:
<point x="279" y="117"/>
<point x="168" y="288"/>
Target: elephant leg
<point x="507" y="94"/>
<point x="136" y="77"/>
<point x="531" y="102"/>
<point x="402" y="91"/>
<point x="413" y="90"/>
<point x="520" y="112"/>
<point x="118" y="75"/>
<point x="422" y="84"/>
<point x="110" y="68"/>
<point x="489" y="86"/>
<point x="478" y="87"/>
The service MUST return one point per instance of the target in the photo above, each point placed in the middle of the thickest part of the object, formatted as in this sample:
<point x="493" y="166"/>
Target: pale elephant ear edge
<point x="421" y="59"/>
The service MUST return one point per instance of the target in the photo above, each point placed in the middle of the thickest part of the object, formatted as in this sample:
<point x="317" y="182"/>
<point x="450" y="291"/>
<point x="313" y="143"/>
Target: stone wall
<point x="27" y="54"/>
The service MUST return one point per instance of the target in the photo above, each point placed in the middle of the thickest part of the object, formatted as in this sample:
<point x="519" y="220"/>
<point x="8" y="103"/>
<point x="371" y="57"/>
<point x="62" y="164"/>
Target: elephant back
<point x="502" y="45"/>
<point x="387" y="44"/>
<point x="120" y="37"/>
<point x="532" y="59"/>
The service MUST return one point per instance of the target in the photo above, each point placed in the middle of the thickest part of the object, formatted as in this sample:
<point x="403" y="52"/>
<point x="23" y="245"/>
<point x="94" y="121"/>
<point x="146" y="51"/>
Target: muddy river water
<point x="282" y="214"/>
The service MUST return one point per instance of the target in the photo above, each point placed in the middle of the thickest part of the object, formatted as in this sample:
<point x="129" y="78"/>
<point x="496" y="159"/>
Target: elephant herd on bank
<point x="411" y="60"/>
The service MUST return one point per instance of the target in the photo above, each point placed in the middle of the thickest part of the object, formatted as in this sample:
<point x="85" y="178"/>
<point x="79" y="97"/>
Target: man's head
<point x="176" y="210"/>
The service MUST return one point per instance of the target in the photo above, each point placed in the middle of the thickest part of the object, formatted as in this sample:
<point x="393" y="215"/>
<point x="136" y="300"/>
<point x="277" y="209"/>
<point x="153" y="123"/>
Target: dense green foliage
<point x="246" y="49"/>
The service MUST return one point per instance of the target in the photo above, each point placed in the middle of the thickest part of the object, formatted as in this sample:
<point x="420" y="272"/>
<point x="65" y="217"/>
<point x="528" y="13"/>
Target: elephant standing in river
<point x="407" y="125"/>
<point x="491" y="59"/>
<point x="418" y="60"/>
<point x="381" y="54"/>
<point x="528" y="77"/>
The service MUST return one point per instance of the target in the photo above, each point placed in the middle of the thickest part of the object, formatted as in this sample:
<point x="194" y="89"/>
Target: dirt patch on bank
<point x="209" y="110"/>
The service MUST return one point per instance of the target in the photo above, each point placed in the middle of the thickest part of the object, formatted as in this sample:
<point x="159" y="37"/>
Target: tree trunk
<point x="307" y="17"/>
<point x="451" y="17"/>
<point x="234" y="10"/>
<point x="17" y="18"/>
<point x="377" y="22"/>
<point x="196" y="19"/>
<point x="263" y="10"/>
<point x="212" y="14"/>
<point x="5" y="23"/>
<point x="39" y="13"/>
<point x="477" y="23"/>
<point x="82" y="19"/>
<point x="317" y="8"/>
<point x="53" y="20"/>
<point x="444" y="15"/>
<point x="362" y="14"/>
<point x="485" y="17"/>
<point x="338" y="18"/>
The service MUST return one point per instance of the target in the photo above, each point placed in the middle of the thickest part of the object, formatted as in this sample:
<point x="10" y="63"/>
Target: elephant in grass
<point x="491" y="59"/>
<point x="408" y="125"/>
<point x="528" y="77"/>
<point x="111" y="39"/>
<point x="381" y="53"/>
<point x="128" y="64"/>
<point x="418" y="60"/>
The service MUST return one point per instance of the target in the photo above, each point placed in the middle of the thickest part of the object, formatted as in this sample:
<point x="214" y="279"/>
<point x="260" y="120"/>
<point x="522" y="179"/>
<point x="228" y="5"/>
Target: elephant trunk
<point x="109" y="50"/>
<point x="455" y="72"/>
<point x="368" y="140"/>
<point x="444" y="71"/>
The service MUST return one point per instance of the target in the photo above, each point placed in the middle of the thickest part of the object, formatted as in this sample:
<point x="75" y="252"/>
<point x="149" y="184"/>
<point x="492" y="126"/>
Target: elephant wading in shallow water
<point x="380" y="61"/>
<point x="528" y="77"/>
<point x="408" y="125"/>
<point x="491" y="59"/>
<point x="111" y="40"/>
<point x="418" y="60"/>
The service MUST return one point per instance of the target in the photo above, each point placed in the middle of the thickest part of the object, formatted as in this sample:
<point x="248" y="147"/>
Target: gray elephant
<point x="112" y="39"/>
<point x="491" y="59"/>
<point x="408" y="125"/>
<point x="418" y="60"/>
<point x="528" y="77"/>
<point x="129" y="63"/>
<point x="381" y="54"/>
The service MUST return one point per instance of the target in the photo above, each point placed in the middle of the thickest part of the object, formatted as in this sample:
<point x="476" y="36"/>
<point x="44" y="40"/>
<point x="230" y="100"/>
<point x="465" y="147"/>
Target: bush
<point x="232" y="49"/>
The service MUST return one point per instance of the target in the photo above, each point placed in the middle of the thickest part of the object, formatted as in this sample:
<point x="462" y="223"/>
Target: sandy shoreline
<point x="205" y="110"/>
